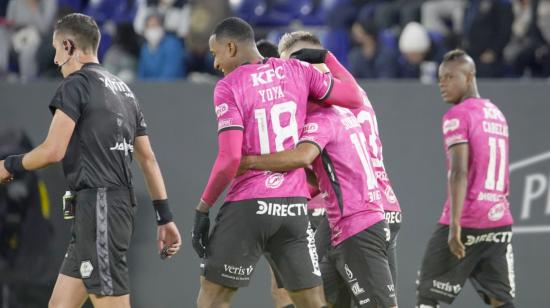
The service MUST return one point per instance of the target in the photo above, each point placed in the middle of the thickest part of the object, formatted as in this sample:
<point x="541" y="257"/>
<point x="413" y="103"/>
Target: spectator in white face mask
<point x="162" y="55"/>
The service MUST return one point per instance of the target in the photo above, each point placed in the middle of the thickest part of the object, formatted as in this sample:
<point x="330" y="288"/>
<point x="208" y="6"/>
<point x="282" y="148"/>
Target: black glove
<point x="199" y="235"/>
<point x="310" y="55"/>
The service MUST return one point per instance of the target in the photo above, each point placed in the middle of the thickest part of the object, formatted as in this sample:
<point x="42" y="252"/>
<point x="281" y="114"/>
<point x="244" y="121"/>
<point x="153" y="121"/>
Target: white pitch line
<point x="530" y="229"/>
<point x="529" y="161"/>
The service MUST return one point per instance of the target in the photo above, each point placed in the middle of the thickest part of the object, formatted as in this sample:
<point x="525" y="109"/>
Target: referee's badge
<point x="86" y="269"/>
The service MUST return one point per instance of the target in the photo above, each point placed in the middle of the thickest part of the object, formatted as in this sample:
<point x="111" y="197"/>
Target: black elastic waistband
<point x="119" y="191"/>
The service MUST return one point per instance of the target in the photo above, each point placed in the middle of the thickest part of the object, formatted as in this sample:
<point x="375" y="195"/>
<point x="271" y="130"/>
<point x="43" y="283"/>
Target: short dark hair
<point x="455" y="54"/>
<point x="267" y="49"/>
<point x="290" y="39"/>
<point x="82" y="28"/>
<point x="234" y="28"/>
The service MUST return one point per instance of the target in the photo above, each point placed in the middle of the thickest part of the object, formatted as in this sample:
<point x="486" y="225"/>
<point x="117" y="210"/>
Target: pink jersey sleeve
<point x="318" y="129"/>
<point x="227" y="111"/>
<point x="226" y="165"/>
<point x="320" y="84"/>
<point x="455" y="127"/>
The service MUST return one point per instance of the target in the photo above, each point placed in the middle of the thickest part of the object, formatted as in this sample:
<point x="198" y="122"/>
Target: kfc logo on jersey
<point x="311" y="128"/>
<point x="221" y="109"/>
<point x="267" y="76"/>
<point x="274" y="180"/>
<point x="450" y="125"/>
<point x="496" y="212"/>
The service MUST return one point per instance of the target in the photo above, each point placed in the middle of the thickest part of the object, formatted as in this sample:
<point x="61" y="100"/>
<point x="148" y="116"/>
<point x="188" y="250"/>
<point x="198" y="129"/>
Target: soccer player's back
<point x="473" y="237"/>
<point x="268" y="101"/>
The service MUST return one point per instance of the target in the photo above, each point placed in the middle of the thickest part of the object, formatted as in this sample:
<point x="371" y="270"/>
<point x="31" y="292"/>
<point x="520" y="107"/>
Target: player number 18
<point x="281" y="132"/>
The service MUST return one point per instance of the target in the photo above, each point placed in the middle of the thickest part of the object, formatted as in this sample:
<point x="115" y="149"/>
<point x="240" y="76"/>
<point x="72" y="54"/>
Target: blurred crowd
<point x="168" y="39"/>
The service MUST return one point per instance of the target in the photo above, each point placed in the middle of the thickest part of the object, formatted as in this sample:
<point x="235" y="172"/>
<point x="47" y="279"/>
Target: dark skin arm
<point x="300" y="157"/>
<point x="458" y="183"/>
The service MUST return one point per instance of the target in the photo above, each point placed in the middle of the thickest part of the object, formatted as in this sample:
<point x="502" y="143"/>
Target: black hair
<point x="455" y="54"/>
<point x="290" y="39"/>
<point x="234" y="28"/>
<point x="82" y="28"/>
<point x="267" y="49"/>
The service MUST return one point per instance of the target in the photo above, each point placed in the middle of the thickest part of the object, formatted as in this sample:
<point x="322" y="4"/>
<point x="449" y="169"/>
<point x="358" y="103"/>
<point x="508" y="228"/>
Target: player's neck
<point x="472" y="93"/>
<point x="253" y="56"/>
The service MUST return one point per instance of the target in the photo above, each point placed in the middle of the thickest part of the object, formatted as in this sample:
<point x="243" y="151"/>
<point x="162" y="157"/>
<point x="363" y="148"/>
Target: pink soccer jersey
<point x="367" y="118"/>
<point x="480" y="123"/>
<point x="344" y="171"/>
<point x="268" y="101"/>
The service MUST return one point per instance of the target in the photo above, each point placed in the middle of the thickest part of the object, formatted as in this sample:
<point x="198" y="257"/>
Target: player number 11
<point x="496" y="145"/>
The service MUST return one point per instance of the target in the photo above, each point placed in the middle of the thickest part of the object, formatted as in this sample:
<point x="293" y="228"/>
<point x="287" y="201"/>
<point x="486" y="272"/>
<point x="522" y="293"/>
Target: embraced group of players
<point x="289" y="128"/>
<point x="292" y="127"/>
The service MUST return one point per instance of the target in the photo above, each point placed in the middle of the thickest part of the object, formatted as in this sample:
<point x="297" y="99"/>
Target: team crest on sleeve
<point x="450" y="125"/>
<point x="311" y="128"/>
<point x="221" y="109"/>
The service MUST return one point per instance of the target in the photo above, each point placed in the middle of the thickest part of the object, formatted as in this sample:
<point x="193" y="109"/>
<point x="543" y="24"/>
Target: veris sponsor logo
<point x="238" y="270"/>
<point x="447" y="287"/>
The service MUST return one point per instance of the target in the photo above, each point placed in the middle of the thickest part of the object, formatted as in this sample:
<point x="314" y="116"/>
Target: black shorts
<point x="100" y="238"/>
<point x="359" y="266"/>
<point x="488" y="263"/>
<point x="394" y="221"/>
<point x="275" y="227"/>
<point x="316" y="216"/>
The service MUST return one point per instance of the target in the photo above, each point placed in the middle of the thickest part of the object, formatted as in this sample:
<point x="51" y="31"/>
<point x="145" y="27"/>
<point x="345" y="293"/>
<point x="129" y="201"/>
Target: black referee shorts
<point x="101" y="234"/>
<point x="489" y="264"/>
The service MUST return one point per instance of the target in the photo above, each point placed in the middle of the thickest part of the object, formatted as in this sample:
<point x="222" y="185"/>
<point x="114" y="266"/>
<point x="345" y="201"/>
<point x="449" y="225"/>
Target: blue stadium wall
<point x="183" y="132"/>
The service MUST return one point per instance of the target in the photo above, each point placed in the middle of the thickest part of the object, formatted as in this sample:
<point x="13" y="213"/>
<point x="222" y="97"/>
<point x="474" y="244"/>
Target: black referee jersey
<point x="108" y="119"/>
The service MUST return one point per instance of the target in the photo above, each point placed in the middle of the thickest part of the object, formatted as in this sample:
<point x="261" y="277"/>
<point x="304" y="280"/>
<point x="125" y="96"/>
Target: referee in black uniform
<point x="96" y="129"/>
